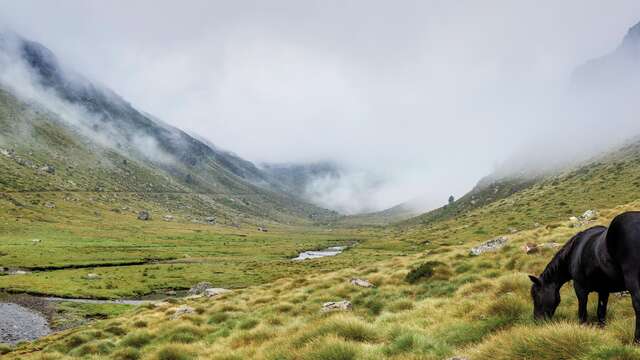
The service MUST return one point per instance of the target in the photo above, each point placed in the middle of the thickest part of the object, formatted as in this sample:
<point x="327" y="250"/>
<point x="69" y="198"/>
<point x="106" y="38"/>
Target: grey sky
<point x="427" y="96"/>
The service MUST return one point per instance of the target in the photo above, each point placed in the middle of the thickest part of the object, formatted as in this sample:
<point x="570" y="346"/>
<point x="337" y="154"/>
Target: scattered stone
<point x="182" y="310"/>
<point x="574" y="219"/>
<point x="551" y="245"/>
<point x="200" y="288"/>
<point x="171" y="292"/>
<point x="210" y="220"/>
<point x="530" y="248"/>
<point x="343" y="305"/>
<point x="18" y="272"/>
<point x="588" y="215"/>
<point x="488" y="246"/>
<point x="50" y="169"/>
<point x="36" y="241"/>
<point x="512" y="230"/>
<point x="49" y="205"/>
<point x="361" y="283"/>
<point x="213" y="292"/>
<point x="144" y="215"/>
<point x="7" y="152"/>
<point x="263" y="229"/>
<point x="92" y="276"/>
<point x="167" y="218"/>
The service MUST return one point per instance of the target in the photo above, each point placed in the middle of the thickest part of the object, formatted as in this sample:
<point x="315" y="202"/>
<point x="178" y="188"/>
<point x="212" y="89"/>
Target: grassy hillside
<point x="81" y="170"/>
<point x="463" y="305"/>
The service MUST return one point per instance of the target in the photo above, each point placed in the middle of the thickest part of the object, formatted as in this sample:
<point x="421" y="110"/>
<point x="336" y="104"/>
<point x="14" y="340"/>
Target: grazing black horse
<point x="597" y="260"/>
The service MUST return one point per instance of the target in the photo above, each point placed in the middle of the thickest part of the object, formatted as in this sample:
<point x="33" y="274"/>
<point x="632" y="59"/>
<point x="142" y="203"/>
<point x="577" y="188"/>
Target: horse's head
<point x="546" y="298"/>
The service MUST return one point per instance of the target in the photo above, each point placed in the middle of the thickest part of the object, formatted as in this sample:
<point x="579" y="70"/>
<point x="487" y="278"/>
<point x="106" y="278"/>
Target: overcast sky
<point x="426" y="96"/>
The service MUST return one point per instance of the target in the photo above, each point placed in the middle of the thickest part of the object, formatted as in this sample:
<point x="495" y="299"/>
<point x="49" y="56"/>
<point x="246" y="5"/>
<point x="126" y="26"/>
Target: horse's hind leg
<point x="583" y="297"/>
<point x="633" y="285"/>
<point x="603" y="299"/>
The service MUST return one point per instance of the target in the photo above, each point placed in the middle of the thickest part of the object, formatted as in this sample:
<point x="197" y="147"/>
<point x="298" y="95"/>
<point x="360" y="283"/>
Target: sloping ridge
<point x="192" y="163"/>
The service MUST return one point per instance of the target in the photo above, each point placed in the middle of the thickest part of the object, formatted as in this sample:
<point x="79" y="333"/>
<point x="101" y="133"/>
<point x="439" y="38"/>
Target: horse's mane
<point x="556" y="265"/>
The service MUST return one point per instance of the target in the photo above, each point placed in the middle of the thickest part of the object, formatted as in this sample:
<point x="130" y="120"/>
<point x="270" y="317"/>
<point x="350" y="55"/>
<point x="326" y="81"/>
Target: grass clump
<point x="138" y="339"/>
<point x="96" y="347"/>
<point x="554" y="341"/>
<point x="218" y="318"/>
<point x="5" y="349"/>
<point x="331" y="349"/>
<point x="248" y="324"/>
<point x="126" y="354"/>
<point x="174" y="352"/>
<point x="185" y="335"/>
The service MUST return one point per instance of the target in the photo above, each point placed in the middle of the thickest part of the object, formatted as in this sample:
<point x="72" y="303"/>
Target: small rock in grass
<point x="213" y="292"/>
<point x="200" y="288"/>
<point x="144" y="215"/>
<point x="49" y="205"/>
<point x="93" y="276"/>
<point x="182" y="310"/>
<point x="361" y="283"/>
<point x="530" y="248"/>
<point x="167" y="218"/>
<point x="343" y="305"/>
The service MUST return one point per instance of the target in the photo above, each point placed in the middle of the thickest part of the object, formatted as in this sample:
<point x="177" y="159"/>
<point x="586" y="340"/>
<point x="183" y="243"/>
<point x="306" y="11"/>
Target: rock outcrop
<point x="489" y="246"/>
<point x="343" y="305"/>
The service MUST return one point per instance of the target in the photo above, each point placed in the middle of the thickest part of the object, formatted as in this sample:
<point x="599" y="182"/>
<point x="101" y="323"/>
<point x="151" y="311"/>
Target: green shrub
<point x="248" y="324"/>
<point x="218" y="318"/>
<point x="424" y="271"/>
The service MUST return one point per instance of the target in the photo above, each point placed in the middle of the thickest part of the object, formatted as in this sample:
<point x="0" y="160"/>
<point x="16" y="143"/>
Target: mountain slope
<point x="97" y="140"/>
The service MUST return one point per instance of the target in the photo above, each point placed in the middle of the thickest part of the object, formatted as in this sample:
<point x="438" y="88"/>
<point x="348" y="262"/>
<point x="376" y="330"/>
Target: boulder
<point x="210" y="220"/>
<point x="167" y="218"/>
<point x="92" y="276"/>
<point x="200" y="288"/>
<point x="530" y="248"/>
<point x="361" y="283"/>
<point x="182" y="310"/>
<point x="36" y="241"/>
<point x="50" y="169"/>
<point x="144" y="215"/>
<point x="343" y="305"/>
<point x="489" y="246"/>
<point x="213" y="292"/>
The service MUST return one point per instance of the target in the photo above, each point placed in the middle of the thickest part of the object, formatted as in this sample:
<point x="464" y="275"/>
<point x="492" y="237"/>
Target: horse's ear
<point x="535" y="280"/>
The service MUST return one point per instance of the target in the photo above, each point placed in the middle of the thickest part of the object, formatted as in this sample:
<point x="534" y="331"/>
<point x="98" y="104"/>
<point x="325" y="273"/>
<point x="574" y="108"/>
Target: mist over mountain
<point x="102" y="120"/>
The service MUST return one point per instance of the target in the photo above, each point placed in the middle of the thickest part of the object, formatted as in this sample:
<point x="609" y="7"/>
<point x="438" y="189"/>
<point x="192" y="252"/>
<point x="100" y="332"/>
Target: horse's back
<point x="623" y="238"/>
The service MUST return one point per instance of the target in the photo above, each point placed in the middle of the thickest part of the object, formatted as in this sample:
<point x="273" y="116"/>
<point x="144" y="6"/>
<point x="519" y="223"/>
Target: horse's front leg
<point x="583" y="297"/>
<point x="603" y="299"/>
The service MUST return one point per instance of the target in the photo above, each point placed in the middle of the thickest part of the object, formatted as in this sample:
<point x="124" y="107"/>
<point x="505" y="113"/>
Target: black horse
<point x="597" y="260"/>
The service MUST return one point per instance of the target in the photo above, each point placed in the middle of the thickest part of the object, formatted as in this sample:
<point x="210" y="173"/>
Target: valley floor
<point x="470" y="306"/>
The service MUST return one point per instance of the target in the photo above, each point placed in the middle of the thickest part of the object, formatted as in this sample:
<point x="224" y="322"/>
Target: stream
<point x="18" y="323"/>
<point x="314" y="254"/>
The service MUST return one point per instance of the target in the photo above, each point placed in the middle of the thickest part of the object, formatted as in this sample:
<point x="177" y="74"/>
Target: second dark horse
<point x="599" y="259"/>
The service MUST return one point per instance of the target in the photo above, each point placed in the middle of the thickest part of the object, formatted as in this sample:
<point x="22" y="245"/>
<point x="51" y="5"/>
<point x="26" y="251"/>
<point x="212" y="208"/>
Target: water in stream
<point x="17" y="323"/>
<point x="331" y="251"/>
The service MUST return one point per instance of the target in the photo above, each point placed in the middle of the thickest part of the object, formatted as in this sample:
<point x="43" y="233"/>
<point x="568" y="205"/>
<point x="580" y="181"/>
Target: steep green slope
<point x="32" y="139"/>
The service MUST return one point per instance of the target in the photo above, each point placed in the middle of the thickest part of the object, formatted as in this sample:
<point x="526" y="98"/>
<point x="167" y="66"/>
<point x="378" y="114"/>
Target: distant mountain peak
<point x="631" y="41"/>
